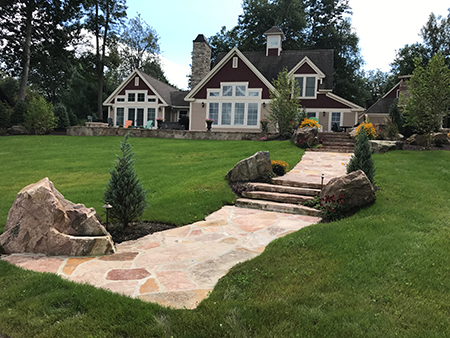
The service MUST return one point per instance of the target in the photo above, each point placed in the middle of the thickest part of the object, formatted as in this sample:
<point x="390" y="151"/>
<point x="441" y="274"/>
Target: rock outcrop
<point x="251" y="168"/>
<point x="305" y="137"/>
<point x="42" y="221"/>
<point x="382" y="146"/>
<point x="356" y="188"/>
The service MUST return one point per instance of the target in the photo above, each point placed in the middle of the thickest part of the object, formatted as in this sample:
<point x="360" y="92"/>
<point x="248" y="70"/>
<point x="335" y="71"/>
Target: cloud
<point x="176" y="73"/>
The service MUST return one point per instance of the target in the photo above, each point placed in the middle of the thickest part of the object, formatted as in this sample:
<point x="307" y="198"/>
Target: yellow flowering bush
<point x="309" y="123"/>
<point x="369" y="128"/>
<point x="279" y="167"/>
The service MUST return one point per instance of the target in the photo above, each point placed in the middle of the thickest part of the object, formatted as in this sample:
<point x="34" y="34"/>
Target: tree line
<point x="73" y="53"/>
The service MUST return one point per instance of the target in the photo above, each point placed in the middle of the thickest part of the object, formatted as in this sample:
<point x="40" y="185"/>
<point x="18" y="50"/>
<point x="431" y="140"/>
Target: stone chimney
<point x="201" y="60"/>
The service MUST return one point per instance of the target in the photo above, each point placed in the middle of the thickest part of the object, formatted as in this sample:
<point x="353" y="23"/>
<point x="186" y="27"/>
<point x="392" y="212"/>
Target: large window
<point x="307" y="85"/>
<point x="234" y="113"/>
<point x="140" y="117"/>
<point x="131" y="114"/>
<point x="120" y="114"/>
<point x="131" y="97"/>
<point x="151" y="115"/>
<point x="214" y="112"/>
<point x="141" y="97"/>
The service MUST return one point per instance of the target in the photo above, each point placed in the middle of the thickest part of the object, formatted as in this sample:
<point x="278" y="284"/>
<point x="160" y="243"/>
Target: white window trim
<point x="233" y="97"/>
<point x="235" y="62"/>
<point x="136" y="92"/>
<point x="330" y="120"/>
<point x="218" y="122"/>
<point x="304" y="76"/>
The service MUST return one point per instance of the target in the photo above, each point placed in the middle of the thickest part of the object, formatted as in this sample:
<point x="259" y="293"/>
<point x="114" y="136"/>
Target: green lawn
<point x="185" y="178"/>
<point x="383" y="272"/>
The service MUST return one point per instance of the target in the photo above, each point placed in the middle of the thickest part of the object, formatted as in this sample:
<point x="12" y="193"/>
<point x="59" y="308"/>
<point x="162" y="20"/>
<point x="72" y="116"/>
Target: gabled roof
<point x="383" y="105"/>
<point x="271" y="66"/>
<point x="218" y="66"/>
<point x="167" y="94"/>
<point x="275" y="31"/>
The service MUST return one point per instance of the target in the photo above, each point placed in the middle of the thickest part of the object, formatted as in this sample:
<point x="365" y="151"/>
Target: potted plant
<point x="159" y="121"/>
<point x="264" y="125"/>
<point x="209" y="123"/>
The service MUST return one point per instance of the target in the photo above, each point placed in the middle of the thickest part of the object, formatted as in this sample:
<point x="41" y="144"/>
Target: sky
<point x="383" y="27"/>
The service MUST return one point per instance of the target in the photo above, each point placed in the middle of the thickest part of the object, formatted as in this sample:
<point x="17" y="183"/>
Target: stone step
<point x="276" y="196"/>
<point x="277" y="207"/>
<point x="285" y="182"/>
<point x="332" y="149"/>
<point x="339" y="142"/>
<point x="285" y="189"/>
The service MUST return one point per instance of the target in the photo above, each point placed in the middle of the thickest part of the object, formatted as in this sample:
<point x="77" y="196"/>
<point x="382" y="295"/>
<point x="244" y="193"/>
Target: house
<point x="379" y="111"/>
<point x="235" y="93"/>
<point x="141" y="98"/>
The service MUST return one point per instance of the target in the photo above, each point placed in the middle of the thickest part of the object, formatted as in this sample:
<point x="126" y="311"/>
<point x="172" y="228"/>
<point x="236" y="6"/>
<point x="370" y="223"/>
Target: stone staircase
<point x="281" y="196"/>
<point x="336" y="143"/>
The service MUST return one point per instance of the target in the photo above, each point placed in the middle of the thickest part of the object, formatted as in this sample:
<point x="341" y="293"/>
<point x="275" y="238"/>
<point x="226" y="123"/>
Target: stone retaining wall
<point x="164" y="133"/>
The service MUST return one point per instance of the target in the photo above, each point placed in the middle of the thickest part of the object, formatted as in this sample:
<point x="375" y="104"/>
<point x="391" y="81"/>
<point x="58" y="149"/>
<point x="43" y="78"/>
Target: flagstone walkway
<point x="179" y="267"/>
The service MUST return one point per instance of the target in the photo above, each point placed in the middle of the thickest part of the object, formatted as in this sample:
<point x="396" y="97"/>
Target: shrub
<point x="39" y="117"/>
<point x="5" y="115"/>
<point x="362" y="157"/>
<point x="391" y="129"/>
<point x="124" y="190"/>
<point x="369" y="129"/>
<point x="332" y="207"/>
<point x="309" y="123"/>
<point x="61" y="114"/>
<point x="279" y="167"/>
<point x="18" y="114"/>
<point x="240" y="187"/>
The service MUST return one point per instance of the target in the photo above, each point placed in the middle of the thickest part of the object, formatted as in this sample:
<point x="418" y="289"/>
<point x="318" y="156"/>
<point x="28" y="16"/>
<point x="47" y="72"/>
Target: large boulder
<point x="381" y="146"/>
<point x="305" y="137"/>
<point x="251" y="168"/>
<point x="355" y="187"/>
<point x="418" y="140"/>
<point x="42" y="221"/>
<point x="440" y="139"/>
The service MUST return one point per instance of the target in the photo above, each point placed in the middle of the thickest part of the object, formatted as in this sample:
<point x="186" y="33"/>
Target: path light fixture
<point x="107" y="206"/>
<point x="321" y="184"/>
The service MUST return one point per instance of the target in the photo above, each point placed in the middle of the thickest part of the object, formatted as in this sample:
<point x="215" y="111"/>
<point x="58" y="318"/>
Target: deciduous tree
<point x="429" y="96"/>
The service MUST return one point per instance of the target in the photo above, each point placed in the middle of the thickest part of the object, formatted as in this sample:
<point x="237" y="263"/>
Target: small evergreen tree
<point x="362" y="158"/>
<point x="124" y="190"/>
<point x="60" y="113"/>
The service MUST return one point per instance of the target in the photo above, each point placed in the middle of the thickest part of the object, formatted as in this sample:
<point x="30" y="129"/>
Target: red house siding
<point x="305" y="69"/>
<point x="323" y="101"/>
<point x="229" y="74"/>
<point x="142" y="86"/>
<point x="393" y="93"/>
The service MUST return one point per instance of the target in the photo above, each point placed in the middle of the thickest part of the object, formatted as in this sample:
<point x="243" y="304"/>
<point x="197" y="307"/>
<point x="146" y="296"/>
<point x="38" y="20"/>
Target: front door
<point x="335" y="121"/>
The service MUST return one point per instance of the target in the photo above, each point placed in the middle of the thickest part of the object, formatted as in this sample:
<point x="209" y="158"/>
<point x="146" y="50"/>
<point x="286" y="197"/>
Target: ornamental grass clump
<point x="279" y="167"/>
<point x="369" y="129"/>
<point x="309" y="123"/>
<point x="124" y="190"/>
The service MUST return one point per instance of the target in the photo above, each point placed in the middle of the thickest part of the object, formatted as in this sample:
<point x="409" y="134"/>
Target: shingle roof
<point x="382" y="106"/>
<point x="271" y="66"/>
<point x="170" y="95"/>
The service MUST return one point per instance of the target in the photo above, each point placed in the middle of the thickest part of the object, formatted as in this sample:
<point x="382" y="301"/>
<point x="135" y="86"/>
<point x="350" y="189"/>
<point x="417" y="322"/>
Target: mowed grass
<point x="185" y="178"/>
<point x="383" y="272"/>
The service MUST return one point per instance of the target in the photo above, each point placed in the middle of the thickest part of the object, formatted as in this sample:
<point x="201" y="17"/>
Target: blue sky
<point x="383" y="27"/>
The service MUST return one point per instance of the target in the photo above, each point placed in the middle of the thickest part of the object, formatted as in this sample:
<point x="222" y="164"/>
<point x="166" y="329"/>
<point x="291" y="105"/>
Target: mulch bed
<point x="137" y="230"/>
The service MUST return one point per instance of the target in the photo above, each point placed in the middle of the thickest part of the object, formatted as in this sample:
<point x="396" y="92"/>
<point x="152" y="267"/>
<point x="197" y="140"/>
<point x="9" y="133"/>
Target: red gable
<point x="141" y="86"/>
<point x="229" y="74"/>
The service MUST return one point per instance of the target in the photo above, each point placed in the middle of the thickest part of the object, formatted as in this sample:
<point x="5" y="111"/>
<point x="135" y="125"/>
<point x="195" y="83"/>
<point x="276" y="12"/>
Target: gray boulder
<point x="440" y="139"/>
<point x="305" y="136"/>
<point x="355" y="187"/>
<point x="42" y="221"/>
<point x="379" y="146"/>
<point x="251" y="168"/>
<point x="417" y="140"/>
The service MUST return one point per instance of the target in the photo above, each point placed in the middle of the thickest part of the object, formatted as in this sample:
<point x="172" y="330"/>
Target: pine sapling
<point x="124" y="190"/>
<point x="362" y="157"/>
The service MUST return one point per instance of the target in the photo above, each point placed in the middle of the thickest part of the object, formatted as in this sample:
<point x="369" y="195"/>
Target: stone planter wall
<point x="164" y="133"/>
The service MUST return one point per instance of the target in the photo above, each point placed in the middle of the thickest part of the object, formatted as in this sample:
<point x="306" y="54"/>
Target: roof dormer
<point x="274" y="38"/>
